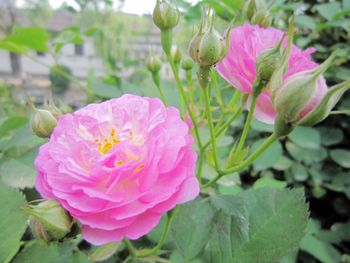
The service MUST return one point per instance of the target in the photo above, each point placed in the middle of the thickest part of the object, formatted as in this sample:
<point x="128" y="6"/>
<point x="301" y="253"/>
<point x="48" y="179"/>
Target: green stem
<point x="156" y="80"/>
<point x="246" y="125"/>
<point x="263" y="147"/>
<point x="190" y="86"/>
<point x="200" y="165"/>
<point x="154" y="250"/>
<point x="229" y="109"/>
<point x="184" y="97"/>
<point x="224" y="127"/>
<point x="218" y="92"/>
<point x="211" y="127"/>
<point x="234" y="99"/>
<point x="130" y="247"/>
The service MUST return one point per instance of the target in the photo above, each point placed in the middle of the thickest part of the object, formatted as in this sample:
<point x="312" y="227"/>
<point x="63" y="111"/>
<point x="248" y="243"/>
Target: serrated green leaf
<point x="10" y="124"/>
<point x="305" y="137"/>
<point x="341" y="157"/>
<point x="19" y="171"/>
<point x="299" y="172"/>
<point x="305" y="21"/>
<point x="34" y="38"/>
<point x="269" y="157"/>
<point x="305" y="155"/>
<point x="283" y="164"/>
<point x="13" y="221"/>
<point x="104" y="252"/>
<point x="330" y="136"/>
<point x="328" y="10"/>
<point x="269" y="182"/>
<point x="265" y="224"/>
<point x="321" y="250"/>
<point x="191" y="227"/>
<point x="38" y="251"/>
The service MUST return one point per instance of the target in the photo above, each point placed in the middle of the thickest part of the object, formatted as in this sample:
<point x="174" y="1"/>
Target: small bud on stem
<point x="42" y="121"/>
<point x="48" y="220"/>
<point x="166" y="17"/>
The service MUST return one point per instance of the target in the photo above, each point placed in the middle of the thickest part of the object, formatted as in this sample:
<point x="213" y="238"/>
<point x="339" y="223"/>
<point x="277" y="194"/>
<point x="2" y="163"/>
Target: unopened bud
<point x="187" y="63"/>
<point x="165" y="15"/>
<point x="207" y="48"/>
<point x="262" y="18"/>
<point x="251" y="7"/>
<point x="154" y="64"/>
<point x="294" y="99"/>
<point x="265" y="66"/>
<point x="325" y="105"/>
<point x="49" y="221"/>
<point x="177" y="55"/>
<point x="42" y="122"/>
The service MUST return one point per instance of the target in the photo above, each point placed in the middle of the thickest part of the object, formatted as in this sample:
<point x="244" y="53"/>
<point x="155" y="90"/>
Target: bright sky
<point x="130" y="6"/>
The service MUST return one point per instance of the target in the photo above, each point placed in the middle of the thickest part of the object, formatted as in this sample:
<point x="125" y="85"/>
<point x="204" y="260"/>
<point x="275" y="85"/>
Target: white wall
<point x="80" y="65"/>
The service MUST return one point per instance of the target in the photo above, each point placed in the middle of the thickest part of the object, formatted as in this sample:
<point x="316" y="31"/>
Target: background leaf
<point x="13" y="221"/>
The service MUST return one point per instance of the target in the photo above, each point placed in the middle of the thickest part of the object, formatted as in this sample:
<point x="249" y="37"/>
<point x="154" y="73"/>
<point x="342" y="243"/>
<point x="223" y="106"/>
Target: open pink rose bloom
<point x="247" y="42"/>
<point x="119" y="165"/>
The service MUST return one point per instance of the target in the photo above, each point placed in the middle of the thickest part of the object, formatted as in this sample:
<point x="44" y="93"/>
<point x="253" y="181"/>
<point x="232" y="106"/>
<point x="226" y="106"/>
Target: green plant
<point x="59" y="82"/>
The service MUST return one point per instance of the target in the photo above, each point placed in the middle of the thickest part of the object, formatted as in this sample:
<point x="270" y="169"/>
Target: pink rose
<point x="247" y="42"/>
<point x="119" y="165"/>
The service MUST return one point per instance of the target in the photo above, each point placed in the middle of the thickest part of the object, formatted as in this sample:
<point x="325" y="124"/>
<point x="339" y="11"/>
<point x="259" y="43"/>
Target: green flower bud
<point x="251" y="7"/>
<point x="262" y="18"/>
<point x="49" y="221"/>
<point x="293" y="98"/>
<point x="207" y="49"/>
<point x="42" y="122"/>
<point x="187" y="63"/>
<point x="324" y="107"/>
<point x="266" y="64"/>
<point x="154" y="64"/>
<point x="51" y="106"/>
<point x="177" y="55"/>
<point x="165" y="15"/>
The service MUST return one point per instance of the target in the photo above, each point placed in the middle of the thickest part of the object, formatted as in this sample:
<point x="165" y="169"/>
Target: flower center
<point x="106" y="144"/>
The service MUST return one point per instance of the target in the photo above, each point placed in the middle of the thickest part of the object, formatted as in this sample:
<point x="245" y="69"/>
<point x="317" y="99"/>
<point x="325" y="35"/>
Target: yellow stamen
<point x="107" y="144"/>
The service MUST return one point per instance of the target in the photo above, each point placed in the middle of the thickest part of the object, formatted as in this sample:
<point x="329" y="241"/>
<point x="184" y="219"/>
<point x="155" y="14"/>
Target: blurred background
<point x="83" y="51"/>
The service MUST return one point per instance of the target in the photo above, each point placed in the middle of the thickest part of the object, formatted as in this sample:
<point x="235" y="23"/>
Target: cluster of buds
<point x="266" y="65"/>
<point x="43" y="121"/>
<point x="256" y="12"/>
<point x="207" y="48"/>
<point x="48" y="221"/>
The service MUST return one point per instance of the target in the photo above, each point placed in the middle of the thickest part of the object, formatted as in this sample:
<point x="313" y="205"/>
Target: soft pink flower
<point x="118" y="166"/>
<point x="247" y="42"/>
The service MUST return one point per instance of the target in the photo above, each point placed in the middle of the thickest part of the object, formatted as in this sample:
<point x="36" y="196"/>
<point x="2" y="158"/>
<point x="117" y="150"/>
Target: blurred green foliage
<point x="59" y="82"/>
<point x="316" y="158"/>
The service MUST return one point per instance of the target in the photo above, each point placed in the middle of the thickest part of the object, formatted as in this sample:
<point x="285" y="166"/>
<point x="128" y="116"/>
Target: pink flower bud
<point x="299" y="95"/>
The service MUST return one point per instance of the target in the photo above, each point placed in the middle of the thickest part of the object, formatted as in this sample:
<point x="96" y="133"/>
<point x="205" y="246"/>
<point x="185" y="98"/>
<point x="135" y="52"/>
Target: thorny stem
<point x="263" y="147"/>
<point x="184" y="97"/>
<point x="246" y="125"/>
<point x="211" y="126"/>
<point x="153" y="251"/>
